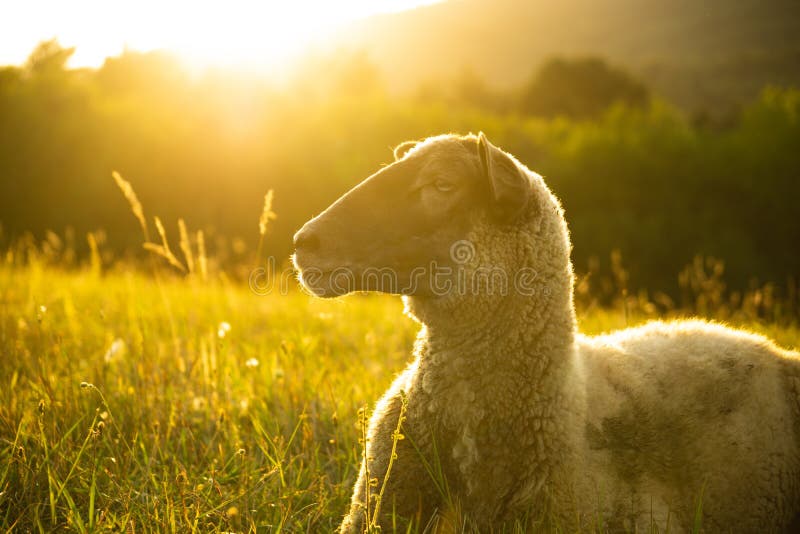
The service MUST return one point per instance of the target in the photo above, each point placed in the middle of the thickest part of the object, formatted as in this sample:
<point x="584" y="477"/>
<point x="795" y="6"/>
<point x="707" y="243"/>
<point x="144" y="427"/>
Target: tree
<point x="141" y="72"/>
<point x="48" y="58"/>
<point x="580" y="88"/>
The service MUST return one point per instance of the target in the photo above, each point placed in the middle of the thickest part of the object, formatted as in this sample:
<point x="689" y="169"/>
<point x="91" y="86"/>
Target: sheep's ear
<point x="403" y="148"/>
<point x="510" y="187"/>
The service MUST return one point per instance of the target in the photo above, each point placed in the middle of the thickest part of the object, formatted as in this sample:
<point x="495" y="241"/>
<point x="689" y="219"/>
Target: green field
<point x="152" y="403"/>
<point x="145" y="388"/>
<point x="185" y="423"/>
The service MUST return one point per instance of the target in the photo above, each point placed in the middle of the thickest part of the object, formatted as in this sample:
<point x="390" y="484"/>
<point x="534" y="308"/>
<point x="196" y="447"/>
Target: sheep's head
<point x="409" y="228"/>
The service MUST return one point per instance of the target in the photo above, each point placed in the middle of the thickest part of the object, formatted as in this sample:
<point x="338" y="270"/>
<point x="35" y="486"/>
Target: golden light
<point x="239" y="33"/>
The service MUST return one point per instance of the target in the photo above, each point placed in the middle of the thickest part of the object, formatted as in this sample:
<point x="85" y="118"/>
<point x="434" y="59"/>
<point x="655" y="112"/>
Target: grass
<point x="134" y="404"/>
<point x="157" y="403"/>
<point x="140" y="405"/>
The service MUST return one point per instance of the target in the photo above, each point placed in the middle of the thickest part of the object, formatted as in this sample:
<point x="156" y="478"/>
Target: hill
<point x="710" y="55"/>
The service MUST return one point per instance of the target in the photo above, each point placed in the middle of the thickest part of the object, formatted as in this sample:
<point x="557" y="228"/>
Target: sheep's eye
<point x="443" y="185"/>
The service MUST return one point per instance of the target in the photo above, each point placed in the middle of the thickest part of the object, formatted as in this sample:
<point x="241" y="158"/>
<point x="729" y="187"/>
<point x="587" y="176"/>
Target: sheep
<point x="506" y="410"/>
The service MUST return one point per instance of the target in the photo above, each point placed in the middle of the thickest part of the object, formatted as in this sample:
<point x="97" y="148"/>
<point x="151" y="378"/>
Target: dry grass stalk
<point x="133" y="200"/>
<point x="96" y="262"/>
<point x="185" y="246"/>
<point x="163" y="249"/>
<point x="202" y="259"/>
<point x="267" y="214"/>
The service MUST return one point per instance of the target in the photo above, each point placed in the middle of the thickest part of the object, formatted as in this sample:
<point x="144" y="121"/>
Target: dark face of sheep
<point x="399" y="230"/>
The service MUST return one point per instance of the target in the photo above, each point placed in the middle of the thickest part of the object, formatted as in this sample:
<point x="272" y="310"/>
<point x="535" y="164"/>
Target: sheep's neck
<point x="520" y="360"/>
<point x="484" y="384"/>
<point x="517" y="335"/>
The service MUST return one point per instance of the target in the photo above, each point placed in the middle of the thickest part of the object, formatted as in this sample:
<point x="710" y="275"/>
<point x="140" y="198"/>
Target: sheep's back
<point x="689" y="408"/>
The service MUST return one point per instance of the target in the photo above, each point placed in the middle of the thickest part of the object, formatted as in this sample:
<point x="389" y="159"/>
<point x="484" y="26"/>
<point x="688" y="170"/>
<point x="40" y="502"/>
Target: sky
<point x="235" y="33"/>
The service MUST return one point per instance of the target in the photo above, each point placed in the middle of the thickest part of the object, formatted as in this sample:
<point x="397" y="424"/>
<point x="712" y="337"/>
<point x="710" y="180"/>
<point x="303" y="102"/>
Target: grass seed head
<point x="267" y="214"/>
<point x="185" y="246"/>
<point x="133" y="201"/>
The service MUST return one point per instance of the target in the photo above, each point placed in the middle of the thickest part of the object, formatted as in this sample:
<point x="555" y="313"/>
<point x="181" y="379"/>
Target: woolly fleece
<point x="510" y="411"/>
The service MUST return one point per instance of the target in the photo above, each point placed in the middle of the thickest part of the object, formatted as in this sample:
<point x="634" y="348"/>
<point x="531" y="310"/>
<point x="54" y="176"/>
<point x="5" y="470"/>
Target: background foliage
<point x="634" y="172"/>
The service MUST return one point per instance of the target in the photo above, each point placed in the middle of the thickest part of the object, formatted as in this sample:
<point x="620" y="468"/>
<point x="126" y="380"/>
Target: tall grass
<point x="141" y="403"/>
<point x="182" y="424"/>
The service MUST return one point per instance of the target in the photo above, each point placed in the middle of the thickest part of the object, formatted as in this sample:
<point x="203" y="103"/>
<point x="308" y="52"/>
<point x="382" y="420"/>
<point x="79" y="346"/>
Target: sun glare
<point x="242" y="34"/>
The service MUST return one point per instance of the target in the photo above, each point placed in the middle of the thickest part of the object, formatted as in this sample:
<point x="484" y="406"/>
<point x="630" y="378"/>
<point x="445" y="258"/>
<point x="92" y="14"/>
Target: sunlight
<point x="240" y="33"/>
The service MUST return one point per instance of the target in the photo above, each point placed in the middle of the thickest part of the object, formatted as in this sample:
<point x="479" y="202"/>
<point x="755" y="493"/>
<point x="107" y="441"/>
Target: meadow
<point x="167" y="405"/>
<point x="158" y="391"/>
<point x="135" y="399"/>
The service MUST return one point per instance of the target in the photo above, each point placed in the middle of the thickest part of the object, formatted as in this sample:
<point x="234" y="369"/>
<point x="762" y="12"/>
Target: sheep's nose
<point x="306" y="238"/>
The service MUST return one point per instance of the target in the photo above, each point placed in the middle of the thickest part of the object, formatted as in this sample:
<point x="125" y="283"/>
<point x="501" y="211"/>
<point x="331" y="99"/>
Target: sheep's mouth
<point x="345" y="279"/>
<point x="329" y="283"/>
<point x="328" y="279"/>
<point x="321" y="283"/>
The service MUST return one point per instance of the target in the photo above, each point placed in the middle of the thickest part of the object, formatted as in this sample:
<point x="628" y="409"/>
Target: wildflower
<point x="116" y="348"/>
<point x="223" y="329"/>
<point x="252" y="362"/>
<point x="199" y="403"/>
